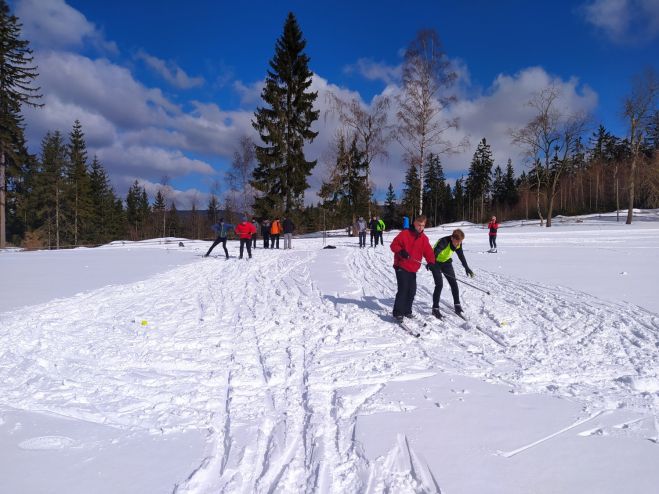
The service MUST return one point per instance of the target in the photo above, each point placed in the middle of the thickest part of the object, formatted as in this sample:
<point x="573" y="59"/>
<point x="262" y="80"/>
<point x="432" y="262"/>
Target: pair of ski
<point x="408" y="324"/>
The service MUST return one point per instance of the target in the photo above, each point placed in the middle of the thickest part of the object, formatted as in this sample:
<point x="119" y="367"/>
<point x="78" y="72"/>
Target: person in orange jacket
<point x="245" y="230"/>
<point x="275" y="231"/>
<point x="409" y="247"/>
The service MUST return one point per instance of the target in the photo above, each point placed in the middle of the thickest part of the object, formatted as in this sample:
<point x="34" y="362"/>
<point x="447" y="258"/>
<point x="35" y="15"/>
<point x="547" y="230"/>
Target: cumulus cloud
<point x="624" y="21"/>
<point x="374" y="71"/>
<point x="171" y="72"/>
<point x="53" y="24"/>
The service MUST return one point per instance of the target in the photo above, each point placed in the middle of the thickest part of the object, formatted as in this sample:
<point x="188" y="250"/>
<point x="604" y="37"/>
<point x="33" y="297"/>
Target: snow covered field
<point x="147" y="368"/>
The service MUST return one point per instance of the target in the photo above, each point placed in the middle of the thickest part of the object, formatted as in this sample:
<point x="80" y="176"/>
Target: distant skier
<point x="245" y="230"/>
<point x="444" y="249"/>
<point x="406" y="222"/>
<point x="379" y="230"/>
<point x="288" y="228"/>
<point x="221" y="229"/>
<point x="361" y="231"/>
<point x="256" y="227"/>
<point x="275" y="231"/>
<point x="409" y="247"/>
<point x="373" y="227"/>
<point x="493" y="226"/>
<point x="265" y="232"/>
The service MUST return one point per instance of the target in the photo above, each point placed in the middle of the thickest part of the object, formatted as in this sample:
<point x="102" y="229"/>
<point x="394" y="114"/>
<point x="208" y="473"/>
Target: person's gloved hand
<point x="403" y="253"/>
<point x="428" y="266"/>
<point x="470" y="273"/>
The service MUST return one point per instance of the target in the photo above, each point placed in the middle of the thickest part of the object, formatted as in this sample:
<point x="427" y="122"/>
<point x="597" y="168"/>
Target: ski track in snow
<point x="278" y="371"/>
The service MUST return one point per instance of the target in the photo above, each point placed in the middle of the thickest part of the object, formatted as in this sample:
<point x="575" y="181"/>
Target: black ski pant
<point x="223" y="241"/>
<point x="266" y="240"/>
<point x="373" y="236"/>
<point x="362" y="239"/>
<point x="274" y="240"/>
<point x="246" y="242"/>
<point x="406" y="282"/>
<point x="447" y="269"/>
<point x="254" y="241"/>
<point x="493" y="241"/>
<point x="378" y="237"/>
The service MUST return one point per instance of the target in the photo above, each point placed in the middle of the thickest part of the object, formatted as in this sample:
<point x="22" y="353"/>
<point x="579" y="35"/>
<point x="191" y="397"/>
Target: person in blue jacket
<point x="222" y="230"/>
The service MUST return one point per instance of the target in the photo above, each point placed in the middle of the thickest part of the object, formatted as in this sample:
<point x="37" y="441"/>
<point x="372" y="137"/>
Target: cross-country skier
<point x="409" y="247"/>
<point x="493" y="226"/>
<point x="444" y="249"/>
<point x="245" y="230"/>
<point x="222" y="229"/>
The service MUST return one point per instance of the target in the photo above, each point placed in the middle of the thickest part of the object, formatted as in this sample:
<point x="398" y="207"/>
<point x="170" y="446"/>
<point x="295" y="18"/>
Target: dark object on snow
<point x="329" y="247"/>
<point x="180" y="244"/>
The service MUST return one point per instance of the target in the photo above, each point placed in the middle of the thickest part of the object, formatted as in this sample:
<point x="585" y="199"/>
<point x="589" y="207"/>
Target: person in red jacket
<point x="245" y="230"/>
<point x="493" y="226"/>
<point x="409" y="247"/>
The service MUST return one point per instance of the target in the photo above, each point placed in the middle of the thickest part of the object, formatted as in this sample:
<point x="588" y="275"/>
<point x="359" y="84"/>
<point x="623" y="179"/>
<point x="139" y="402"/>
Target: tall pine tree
<point x="284" y="124"/>
<point x="411" y="193"/>
<point x="17" y="73"/>
<point x="80" y="199"/>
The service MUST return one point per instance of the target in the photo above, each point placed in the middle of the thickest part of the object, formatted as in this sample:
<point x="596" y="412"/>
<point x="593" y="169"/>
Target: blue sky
<point x="162" y="93"/>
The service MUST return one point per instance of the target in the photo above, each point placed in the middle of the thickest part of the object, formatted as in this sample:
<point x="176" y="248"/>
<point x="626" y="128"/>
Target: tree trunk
<point x="3" y="234"/>
<point x="630" y="207"/>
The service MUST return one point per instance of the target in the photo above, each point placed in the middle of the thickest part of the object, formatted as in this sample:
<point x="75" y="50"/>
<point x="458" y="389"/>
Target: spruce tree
<point x="102" y="222"/>
<point x="80" y="200"/>
<point x="511" y="195"/>
<point x="17" y="73"/>
<point x="479" y="179"/>
<point x="390" y="209"/>
<point x="213" y="210"/>
<point x="51" y="188"/>
<point x="411" y="193"/>
<point x="284" y="124"/>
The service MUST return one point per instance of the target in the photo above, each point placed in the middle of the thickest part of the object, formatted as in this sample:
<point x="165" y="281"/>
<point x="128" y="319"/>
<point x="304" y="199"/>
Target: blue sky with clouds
<point x="165" y="92"/>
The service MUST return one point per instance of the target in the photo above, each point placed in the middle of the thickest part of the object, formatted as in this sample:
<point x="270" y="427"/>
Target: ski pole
<point x="468" y="284"/>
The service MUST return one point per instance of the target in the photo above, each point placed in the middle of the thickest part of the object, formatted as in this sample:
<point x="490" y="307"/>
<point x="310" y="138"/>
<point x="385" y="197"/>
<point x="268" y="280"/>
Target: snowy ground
<point x="156" y="370"/>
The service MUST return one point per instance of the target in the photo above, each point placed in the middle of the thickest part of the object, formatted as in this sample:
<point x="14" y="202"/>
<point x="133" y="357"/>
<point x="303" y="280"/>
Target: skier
<point x="493" y="226"/>
<point x="222" y="229"/>
<point x="443" y="250"/>
<point x="409" y="247"/>
<point x="373" y="226"/>
<point x="265" y="232"/>
<point x="361" y="230"/>
<point x="245" y="230"/>
<point x="379" y="230"/>
<point x="289" y="228"/>
<point x="256" y="227"/>
<point x="275" y="231"/>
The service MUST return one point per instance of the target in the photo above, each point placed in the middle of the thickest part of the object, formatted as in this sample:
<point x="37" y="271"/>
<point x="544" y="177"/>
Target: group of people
<point x="376" y="227"/>
<point x="411" y="246"/>
<point x="247" y="230"/>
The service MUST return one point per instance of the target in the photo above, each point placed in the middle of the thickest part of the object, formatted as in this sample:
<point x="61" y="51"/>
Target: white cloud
<point x="52" y="24"/>
<point x="374" y="71"/>
<point x="171" y="72"/>
<point x="150" y="161"/>
<point x="182" y="198"/>
<point x="624" y="21"/>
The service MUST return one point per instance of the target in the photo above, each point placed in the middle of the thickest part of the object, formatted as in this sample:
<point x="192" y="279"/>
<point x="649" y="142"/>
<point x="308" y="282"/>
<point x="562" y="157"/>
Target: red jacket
<point x="493" y="226"/>
<point x="245" y="229"/>
<point x="416" y="245"/>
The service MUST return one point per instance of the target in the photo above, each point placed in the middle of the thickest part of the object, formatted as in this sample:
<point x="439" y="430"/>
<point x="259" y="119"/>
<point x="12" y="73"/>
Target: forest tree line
<point x="63" y="197"/>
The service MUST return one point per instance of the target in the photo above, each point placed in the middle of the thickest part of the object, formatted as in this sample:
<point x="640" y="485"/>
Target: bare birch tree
<point x="369" y="125"/>
<point x="638" y="108"/>
<point x="240" y="173"/>
<point x="422" y="126"/>
<point x="548" y="139"/>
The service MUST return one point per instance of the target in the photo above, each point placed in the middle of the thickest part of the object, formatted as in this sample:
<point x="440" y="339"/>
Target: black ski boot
<point x="436" y="313"/>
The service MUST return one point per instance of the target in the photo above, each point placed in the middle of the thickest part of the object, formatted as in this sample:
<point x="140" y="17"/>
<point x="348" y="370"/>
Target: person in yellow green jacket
<point x="444" y="249"/>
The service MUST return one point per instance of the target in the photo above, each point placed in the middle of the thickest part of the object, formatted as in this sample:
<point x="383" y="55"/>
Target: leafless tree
<point x="368" y="124"/>
<point x="422" y="128"/>
<point x="240" y="173"/>
<point x="638" y="108"/>
<point x="548" y="139"/>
